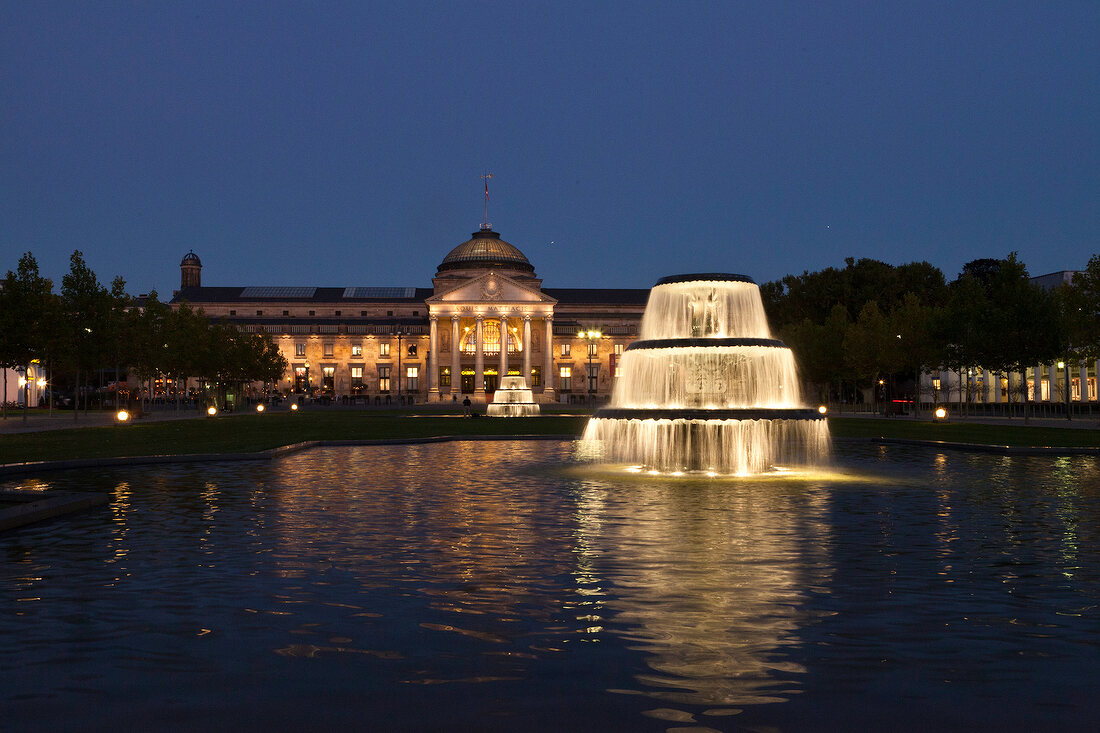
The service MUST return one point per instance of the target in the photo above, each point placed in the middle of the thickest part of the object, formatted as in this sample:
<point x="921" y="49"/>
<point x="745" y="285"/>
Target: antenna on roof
<point x="485" y="225"/>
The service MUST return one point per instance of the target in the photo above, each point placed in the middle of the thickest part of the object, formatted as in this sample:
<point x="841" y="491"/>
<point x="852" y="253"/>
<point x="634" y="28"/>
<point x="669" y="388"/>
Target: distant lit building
<point x="486" y="315"/>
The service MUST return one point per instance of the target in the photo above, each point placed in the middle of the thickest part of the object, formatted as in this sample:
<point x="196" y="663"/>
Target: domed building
<point x="486" y="316"/>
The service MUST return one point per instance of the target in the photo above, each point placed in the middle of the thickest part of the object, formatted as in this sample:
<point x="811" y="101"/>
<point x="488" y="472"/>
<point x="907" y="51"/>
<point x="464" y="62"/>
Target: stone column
<point x="527" y="349"/>
<point x="479" y="357"/>
<point x="456" y="363"/>
<point x="548" y="349"/>
<point x="433" y="358"/>
<point x="503" y="349"/>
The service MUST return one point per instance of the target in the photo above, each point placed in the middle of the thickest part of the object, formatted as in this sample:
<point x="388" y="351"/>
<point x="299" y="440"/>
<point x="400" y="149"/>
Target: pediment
<point x="491" y="288"/>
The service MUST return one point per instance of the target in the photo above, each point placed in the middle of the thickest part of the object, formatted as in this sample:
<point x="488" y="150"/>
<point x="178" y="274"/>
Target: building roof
<point x="486" y="250"/>
<point x="599" y="296"/>
<point x="255" y="294"/>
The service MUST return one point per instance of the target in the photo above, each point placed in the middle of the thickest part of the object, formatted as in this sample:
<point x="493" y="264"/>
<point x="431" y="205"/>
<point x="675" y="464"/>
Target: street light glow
<point x="211" y="411"/>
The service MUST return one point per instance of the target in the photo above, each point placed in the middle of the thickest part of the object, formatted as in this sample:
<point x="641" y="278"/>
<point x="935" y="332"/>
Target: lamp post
<point x="592" y="337"/>
<point x="399" y="333"/>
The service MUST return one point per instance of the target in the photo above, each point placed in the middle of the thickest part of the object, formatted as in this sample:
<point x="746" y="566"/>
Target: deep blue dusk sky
<point x="341" y="143"/>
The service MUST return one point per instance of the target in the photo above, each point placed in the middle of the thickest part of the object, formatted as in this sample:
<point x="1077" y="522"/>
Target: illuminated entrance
<point x="491" y="380"/>
<point x="467" y="381"/>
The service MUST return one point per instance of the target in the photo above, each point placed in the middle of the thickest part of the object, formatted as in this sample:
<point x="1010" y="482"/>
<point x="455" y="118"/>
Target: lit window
<point x="618" y="349"/>
<point x="592" y="349"/>
<point x="384" y="378"/>
<point x="536" y="377"/>
<point x="384" y="348"/>
<point x="357" y="350"/>
<point x="299" y="349"/>
<point x="565" y="378"/>
<point x="565" y="349"/>
<point x="444" y="376"/>
<point x="412" y="378"/>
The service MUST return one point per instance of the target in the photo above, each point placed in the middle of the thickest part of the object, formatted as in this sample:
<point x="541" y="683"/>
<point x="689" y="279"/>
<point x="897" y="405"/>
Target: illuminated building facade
<point x="485" y="316"/>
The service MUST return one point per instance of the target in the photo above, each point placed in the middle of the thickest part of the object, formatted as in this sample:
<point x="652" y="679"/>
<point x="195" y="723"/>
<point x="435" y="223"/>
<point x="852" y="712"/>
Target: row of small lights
<point x="123" y="416"/>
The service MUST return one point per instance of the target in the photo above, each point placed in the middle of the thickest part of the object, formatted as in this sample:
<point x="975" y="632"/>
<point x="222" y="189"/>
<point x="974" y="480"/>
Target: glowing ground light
<point x="940" y="413"/>
<point x="822" y="409"/>
<point x="294" y="407"/>
<point x="259" y="408"/>
<point x="122" y="416"/>
<point x="211" y="411"/>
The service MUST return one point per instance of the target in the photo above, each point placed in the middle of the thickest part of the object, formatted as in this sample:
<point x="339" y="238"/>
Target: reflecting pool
<point x="500" y="586"/>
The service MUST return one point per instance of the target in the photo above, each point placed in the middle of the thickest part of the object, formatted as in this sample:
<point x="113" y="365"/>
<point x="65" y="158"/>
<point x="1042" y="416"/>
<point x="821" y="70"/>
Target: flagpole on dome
<point x="485" y="225"/>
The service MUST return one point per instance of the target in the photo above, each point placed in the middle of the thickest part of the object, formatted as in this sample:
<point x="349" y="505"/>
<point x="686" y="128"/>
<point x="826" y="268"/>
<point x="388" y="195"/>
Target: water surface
<point x="494" y="586"/>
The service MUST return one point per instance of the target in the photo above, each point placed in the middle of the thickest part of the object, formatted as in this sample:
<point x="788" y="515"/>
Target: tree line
<point x="871" y="323"/>
<point x="87" y="330"/>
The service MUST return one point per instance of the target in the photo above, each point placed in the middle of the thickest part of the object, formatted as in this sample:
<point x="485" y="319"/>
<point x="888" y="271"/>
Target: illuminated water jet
<point x="706" y="387"/>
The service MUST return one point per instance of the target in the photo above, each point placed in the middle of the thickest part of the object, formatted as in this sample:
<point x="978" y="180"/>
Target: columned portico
<point x="433" y="358"/>
<point x="503" y="348"/>
<point x="527" y="348"/>
<point x="479" y="356"/>
<point x="548" y="348"/>
<point x="456" y="357"/>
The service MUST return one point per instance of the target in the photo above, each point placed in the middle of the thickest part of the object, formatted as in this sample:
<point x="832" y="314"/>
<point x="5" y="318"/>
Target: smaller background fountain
<point x="513" y="398"/>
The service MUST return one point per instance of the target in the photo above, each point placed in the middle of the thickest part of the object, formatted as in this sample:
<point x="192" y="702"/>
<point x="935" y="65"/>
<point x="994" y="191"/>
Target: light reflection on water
<point x="503" y="585"/>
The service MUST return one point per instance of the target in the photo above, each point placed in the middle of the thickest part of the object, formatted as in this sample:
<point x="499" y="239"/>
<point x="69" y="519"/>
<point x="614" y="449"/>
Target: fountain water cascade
<point x="513" y="398"/>
<point x="706" y="388"/>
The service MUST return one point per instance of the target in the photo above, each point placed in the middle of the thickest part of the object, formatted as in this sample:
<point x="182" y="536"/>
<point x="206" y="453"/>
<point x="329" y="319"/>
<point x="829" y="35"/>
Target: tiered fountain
<point x="513" y="398"/>
<point x="706" y="388"/>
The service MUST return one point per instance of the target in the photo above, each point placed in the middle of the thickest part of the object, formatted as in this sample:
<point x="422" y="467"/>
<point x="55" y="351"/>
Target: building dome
<point x="485" y="251"/>
<point x="191" y="259"/>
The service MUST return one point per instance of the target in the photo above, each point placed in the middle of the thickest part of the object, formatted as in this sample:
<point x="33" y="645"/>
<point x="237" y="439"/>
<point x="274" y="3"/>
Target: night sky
<point x="342" y="143"/>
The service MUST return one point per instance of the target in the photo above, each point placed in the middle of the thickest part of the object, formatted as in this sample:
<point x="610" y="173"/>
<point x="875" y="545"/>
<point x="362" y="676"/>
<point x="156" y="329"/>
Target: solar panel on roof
<point x="379" y="292"/>
<point x="277" y="292"/>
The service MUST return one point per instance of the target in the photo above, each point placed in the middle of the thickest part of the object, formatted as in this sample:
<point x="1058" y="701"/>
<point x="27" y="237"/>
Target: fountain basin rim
<point x="706" y="277"/>
<point x="705" y="342"/>
<point x="749" y="413"/>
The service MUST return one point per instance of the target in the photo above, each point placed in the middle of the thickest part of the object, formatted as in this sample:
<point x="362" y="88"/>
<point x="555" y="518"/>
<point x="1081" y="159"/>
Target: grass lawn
<point x="247" y="433"/>
<point x="962" y="432"/>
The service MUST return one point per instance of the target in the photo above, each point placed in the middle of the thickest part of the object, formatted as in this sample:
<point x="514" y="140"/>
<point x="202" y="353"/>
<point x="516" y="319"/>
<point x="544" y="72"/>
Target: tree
<point x="1026" y="326"/>
<point x="869" y="347"/>
<point x="1080" y="307"/>
<point x="912" y="322"/>
<point x="86" y="305"/>
<point x="964" y="329"/>
<point x="26" y="315"/>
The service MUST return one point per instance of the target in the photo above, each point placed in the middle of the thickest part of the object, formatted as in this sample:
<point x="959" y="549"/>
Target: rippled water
<point x="497" y="586"/>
